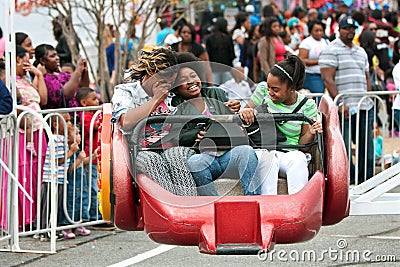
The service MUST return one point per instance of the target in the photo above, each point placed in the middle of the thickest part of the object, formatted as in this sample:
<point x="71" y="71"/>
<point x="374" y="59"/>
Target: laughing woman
<point x="193" y="99"/>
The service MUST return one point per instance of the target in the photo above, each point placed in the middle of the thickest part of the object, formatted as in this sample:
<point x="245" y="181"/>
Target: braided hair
<point x="290" y="70"/>
<point x="151" y="62"/>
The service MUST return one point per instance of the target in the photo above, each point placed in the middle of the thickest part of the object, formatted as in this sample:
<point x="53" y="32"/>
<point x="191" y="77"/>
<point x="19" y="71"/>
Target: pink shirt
<point x="280" y="50"/>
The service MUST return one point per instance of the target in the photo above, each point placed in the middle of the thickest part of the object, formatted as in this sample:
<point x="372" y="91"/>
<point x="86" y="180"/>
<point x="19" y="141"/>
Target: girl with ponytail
<point x="280" y="94"/>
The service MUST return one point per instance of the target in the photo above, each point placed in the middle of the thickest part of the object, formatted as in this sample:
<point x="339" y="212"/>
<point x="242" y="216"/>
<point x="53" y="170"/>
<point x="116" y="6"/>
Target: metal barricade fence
<point x="359" y="130"/>
<point x="54" y="195"/>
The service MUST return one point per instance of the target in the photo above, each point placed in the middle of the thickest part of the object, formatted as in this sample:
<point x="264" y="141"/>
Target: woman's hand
<point x="233" y="104"/>
<point x="316" y="127"/>
<point x="247" y="115"/>
<point x="29" y="67"/>
<point x="81" y="66"/>
<point x="200" y="136"/>
<point x="160" y="91"/>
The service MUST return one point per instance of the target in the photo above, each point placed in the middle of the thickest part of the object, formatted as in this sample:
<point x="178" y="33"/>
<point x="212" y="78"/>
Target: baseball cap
<point x="347" y="22"/>
<point x="249" y="9"/>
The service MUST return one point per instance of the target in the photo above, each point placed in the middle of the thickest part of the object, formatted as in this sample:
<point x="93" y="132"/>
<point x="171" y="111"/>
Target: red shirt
<point x="86" y="119"/>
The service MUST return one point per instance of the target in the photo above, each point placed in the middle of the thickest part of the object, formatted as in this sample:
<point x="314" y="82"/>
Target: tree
<point x="91" y="17"/>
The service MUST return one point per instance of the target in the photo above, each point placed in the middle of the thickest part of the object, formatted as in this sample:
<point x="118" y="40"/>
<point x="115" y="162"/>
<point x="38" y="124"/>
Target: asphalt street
<point x="356" y="241"/>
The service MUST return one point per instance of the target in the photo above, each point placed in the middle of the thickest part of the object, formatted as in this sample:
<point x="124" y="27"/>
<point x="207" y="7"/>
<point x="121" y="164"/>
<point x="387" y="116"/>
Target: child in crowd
<point x="68" y="68"/>
<point x="62" y="157"/>
<point x="237" y="87"/>
<point x="381" y="159"/>
<point x="77" y="194"/>
<point x="87" y="97"/>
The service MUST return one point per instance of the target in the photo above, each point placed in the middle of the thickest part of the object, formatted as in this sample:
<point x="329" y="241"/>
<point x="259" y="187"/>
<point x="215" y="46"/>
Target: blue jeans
<point x="77" y="197"/>
<point x="397" y="118"/>
<point x="240" y="160"/>
<point x="366" y="120"/>
<point x="314" y="83"/>
<point x="94" y="213"/>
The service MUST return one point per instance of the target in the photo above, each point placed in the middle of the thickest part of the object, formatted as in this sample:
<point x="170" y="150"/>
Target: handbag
<point x="268" y="133"/>
<point x="376" y="83"/>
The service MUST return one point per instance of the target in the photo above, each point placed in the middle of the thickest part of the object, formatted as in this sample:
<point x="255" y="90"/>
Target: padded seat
<point x="233" y="187"/>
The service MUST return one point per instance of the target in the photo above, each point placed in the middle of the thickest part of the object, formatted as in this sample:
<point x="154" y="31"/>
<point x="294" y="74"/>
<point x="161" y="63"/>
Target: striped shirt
<point x="291" y="129"/>
<point x="61" y="148"/>
<point x="351" y="64"/>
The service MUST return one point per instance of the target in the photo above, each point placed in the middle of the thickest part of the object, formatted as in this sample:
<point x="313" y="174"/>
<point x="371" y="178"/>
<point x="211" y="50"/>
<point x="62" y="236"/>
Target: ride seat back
<point x="233" y="187"/>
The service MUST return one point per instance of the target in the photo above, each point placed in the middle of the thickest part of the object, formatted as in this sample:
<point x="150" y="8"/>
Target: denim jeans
<point x="240" y="160"/>
<point x="94" y="213"/>
<point x="77" y="197"/>
<point x="365" y="158"/>
<point x="314" y="83"/>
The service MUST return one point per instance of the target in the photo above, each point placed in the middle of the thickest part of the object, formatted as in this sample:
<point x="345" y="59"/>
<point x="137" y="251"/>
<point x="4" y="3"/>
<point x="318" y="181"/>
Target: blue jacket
<point x="6" y="102"/>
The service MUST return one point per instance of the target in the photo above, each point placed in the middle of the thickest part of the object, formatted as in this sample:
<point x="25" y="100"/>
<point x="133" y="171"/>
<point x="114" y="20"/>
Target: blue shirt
<point x="162" y="35"/>
<point x="6" y="102"/>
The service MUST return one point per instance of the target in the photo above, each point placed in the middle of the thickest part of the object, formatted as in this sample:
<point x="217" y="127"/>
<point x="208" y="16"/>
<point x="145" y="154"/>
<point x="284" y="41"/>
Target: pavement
<point x="356" y="241"/>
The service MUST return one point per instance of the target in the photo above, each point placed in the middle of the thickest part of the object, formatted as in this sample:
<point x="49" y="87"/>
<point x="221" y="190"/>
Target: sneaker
<point x="45" y="237"/>
<point x="82" y="231"/>
<point x="68" y="234"/>
<point x="107" y="226"/>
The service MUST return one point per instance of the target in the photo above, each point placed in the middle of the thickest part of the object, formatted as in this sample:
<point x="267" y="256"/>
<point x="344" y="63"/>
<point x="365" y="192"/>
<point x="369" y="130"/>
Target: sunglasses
<point x="373" y="29"/>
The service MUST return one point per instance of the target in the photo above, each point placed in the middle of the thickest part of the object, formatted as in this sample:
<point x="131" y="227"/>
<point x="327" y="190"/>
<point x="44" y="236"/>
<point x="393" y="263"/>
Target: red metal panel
<point x="336" y="204"/>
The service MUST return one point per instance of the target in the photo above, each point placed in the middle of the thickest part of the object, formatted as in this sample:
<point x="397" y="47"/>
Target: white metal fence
<point x="30" y="206"/>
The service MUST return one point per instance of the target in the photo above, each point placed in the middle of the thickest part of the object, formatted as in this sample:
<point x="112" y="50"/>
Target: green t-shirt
<point x="292" y="129"/>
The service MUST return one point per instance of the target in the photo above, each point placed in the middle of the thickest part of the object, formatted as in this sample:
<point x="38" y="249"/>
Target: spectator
<point x="174" y="37"/>
<point x="25" y="41"/>
<point x="310" y="49"/>
<point x="396" y="79"/>
<point x="62" y="48"/>
<point x="351" y="75"/>
<point x="220" y="50"/>
<point x="62" y="157"/>
<point x="294" y="28"/>
<point x="61" y="86"/>
<point x="384" y="31"/>
<point x="29" y="135"/>
<point x="6" y="102"/>
<point x="165" y="31"/>
<point x="239" y="35"/>
<point x="248" y="52"/>
<point x="132" y="46"/>
<point x="77" y="196"/>
<point x="188" y="44"/>
<point x="68" y="68"/>
<point x="271" y="47"/>
<point x="110" y="54"/>
<point x="237" y="87"/>
<point x="87" y="97"/>
<point x="254" y="19"/>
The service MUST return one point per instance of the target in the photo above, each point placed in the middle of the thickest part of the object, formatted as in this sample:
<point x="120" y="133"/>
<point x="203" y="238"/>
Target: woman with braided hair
<point x="147" y="94"/>
<point x="280" y="94"/>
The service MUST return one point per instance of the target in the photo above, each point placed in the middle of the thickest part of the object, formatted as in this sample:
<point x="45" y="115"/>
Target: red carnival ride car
<point x="226" y="224"/>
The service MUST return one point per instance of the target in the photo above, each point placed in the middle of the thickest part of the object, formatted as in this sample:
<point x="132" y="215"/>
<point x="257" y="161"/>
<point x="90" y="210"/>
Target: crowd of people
<point x="267" y="60"/>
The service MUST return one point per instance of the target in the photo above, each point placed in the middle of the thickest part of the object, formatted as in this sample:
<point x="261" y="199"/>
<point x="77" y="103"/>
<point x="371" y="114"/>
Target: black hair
<point x="1" y="33"/>
<point x="367" y="40"/>
<point x="311" y="25"/>
<point x="83" y="93"/>
<point x="20" y="51"/>
<point x="20" y="37"/>
<point x="268" y="11"/>
<point x="376" y="14"/>
<point x="297" y="10"/>
<point x="69" y="64"/>
<point x="240" y="18"/>
<point x="290" y="70"/>
<point x="266" y="26"/>
<point x="359" y="17"/>
<point x="41" y="52"/>
<point x="396" y="55"/>
<point x="188" y="60"/>
<point x="283" y="34"/>
<point x="192" y="31"/>
<point x="221" y="25"/>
